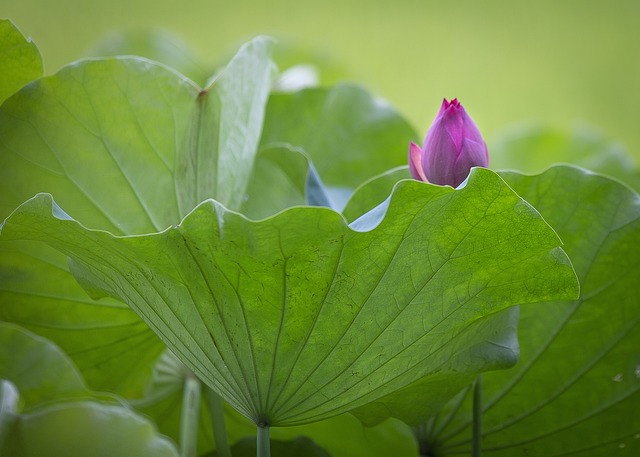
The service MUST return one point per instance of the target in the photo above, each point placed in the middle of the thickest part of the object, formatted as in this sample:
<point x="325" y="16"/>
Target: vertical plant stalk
<point x="216" y="411"/>
<point x="189" y="416"/>
<point x="477" y="418"/>
<point x="420" y="433"/>
<point x="264" y="446"/>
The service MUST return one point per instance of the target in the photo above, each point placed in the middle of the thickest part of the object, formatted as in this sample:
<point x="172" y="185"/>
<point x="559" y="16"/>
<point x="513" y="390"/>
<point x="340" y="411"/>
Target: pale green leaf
<point x="133" y="126"/>
<point x="84" y="429"/>
<point x="222" y="140"/>
<point x="105" y="135"/>
<point x="299" y="317"/>
<point x="61" y="133"/>
<point x="20" y="61"/>
<point x="41" y="412"/>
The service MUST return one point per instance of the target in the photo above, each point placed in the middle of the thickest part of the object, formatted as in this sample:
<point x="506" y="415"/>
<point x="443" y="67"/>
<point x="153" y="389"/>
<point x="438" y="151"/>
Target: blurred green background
<point x="558" y="63"/>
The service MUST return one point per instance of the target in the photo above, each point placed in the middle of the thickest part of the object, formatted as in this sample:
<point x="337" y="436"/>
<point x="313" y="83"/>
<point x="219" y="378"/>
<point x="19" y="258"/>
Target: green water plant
<point x="205" y="263"/>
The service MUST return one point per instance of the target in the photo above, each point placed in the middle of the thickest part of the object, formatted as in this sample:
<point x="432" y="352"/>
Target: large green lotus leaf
<point x="532" y="149"/>
<point x="342" y="436"/>
<point x="83" y="429"/>
<point x="349" y="134"/>
<point x="496" y="336"/>
<point x="130" y="125"/>
<point x="576" y="389"/>
<point x="20" y="61"/>
<point x="103" y="135"/>
<point x="106" y="135"/>
<point x="300" y="317"/>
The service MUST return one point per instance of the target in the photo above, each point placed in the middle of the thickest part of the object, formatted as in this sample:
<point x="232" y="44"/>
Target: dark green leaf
<point x="301" y="446"/>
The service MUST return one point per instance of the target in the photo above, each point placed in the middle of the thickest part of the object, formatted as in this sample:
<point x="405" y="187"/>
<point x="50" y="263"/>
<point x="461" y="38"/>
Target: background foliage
<point x="287" y="149"/>
<point x="558" y="63"/>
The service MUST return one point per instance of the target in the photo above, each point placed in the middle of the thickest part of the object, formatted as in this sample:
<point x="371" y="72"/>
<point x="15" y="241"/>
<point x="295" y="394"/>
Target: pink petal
<point x="415" y="162"/>
<point x="472" y="154"/>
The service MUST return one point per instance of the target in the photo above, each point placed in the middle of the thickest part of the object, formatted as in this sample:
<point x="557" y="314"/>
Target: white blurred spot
<point x="296" y="78"/>
<point x="618" y="377"/>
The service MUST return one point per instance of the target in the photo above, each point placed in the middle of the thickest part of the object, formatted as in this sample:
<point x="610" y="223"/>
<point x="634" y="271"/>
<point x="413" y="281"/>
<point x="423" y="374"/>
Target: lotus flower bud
<point x="453" y="146"/>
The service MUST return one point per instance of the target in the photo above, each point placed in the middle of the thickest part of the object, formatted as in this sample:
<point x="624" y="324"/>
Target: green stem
<point x="189" y="417"/>
<point x="264" y="448"/>
<point x="477" y="418"/>
<point x="216" y="412"/>
<point x="420" y="434"/>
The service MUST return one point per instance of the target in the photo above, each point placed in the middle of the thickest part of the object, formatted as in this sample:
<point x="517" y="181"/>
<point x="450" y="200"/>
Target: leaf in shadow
<point x="300" y="446"/>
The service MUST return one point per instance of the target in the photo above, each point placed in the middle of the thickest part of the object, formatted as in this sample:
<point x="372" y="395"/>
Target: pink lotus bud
<point x="453" y="146"/>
